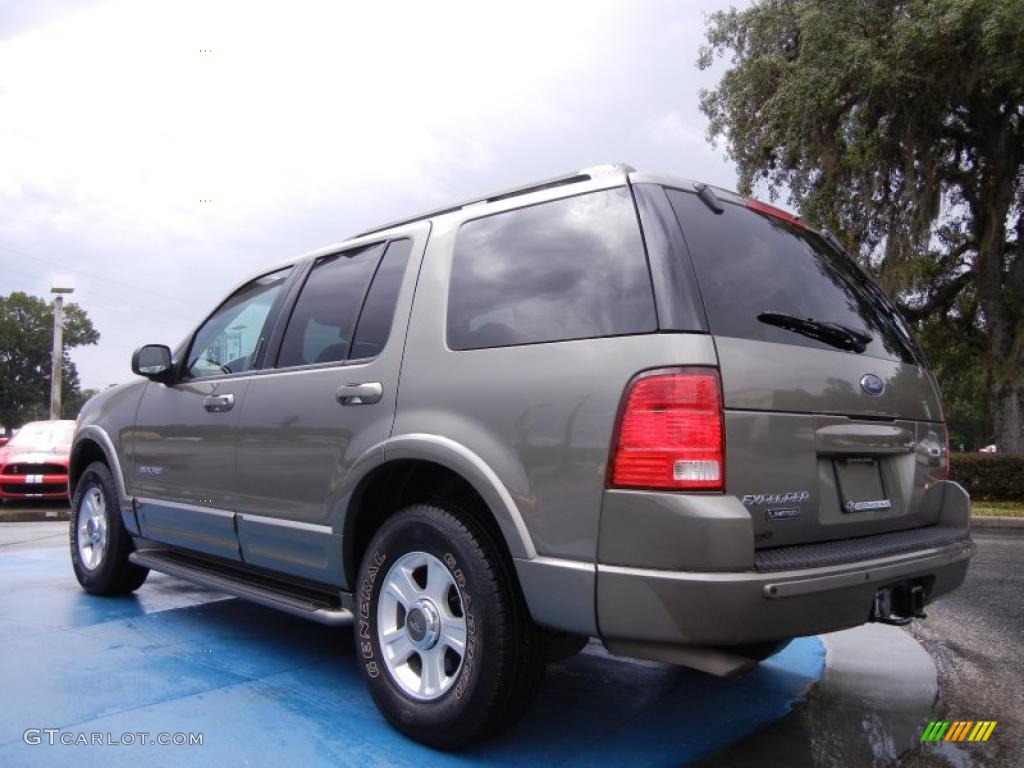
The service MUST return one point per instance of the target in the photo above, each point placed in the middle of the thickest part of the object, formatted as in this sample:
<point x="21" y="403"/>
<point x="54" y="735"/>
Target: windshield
<point x="766" y="279"/>
<point x="40" y="435"/>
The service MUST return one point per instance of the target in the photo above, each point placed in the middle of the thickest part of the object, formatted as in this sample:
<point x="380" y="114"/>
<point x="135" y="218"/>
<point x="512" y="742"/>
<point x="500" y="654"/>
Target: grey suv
<point x="608" y="405"/>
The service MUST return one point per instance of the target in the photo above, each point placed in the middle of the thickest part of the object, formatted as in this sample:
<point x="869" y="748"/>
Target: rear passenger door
<point x="326" y="396"/>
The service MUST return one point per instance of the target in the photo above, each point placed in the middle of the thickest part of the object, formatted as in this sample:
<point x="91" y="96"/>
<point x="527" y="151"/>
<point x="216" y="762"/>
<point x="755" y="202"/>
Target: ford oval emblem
<point x="871" y="384"/>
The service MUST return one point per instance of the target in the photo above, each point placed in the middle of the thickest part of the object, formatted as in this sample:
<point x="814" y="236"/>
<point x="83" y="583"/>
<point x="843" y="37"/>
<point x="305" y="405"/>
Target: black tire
<point x="113" y="575"/>
<point x="503" y="666"/>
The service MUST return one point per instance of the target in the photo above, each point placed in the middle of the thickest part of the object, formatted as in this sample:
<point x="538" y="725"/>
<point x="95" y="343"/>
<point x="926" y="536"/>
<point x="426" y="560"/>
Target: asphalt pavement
<point x="30" y="510"/>
<point x="976" y="637"/>
<point x="15" y="537"/>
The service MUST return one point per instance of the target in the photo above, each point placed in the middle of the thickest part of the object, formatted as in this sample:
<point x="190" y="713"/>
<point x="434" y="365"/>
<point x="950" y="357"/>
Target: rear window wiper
<point x="836" y="334"/>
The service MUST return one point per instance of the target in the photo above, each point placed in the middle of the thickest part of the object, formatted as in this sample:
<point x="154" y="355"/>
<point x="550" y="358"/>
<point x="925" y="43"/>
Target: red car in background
<point x="34" y="463"/>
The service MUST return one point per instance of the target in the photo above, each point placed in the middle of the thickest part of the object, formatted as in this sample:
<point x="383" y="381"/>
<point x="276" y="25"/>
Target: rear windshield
<point x="749" y="264"/>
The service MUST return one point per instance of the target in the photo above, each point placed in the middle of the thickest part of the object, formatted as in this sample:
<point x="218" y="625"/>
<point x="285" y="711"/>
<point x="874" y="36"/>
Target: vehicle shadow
<point x="33" y="510"/>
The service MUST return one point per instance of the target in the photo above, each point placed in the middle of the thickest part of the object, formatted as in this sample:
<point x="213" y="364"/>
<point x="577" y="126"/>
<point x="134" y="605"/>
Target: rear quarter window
<point x="748" y="264"/>
<point x="573" y="268"/>
<point x="378" y="313"/>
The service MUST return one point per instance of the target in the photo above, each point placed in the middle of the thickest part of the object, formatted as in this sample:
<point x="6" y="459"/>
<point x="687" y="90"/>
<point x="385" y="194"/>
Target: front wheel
<point x="100" y="545"/>
<point x="445" y="643"/>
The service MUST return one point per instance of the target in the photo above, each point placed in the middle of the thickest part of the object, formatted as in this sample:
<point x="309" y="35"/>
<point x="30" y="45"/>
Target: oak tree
<point x="26" y="355"/>
<point x="897" y="124"/>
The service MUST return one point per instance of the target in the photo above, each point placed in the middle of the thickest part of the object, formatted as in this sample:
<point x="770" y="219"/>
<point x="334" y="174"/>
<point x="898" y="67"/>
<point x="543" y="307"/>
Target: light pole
<point x="60" y="286"/>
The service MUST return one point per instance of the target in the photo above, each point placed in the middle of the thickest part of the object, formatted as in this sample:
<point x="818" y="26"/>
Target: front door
<point x="186" y="432"/>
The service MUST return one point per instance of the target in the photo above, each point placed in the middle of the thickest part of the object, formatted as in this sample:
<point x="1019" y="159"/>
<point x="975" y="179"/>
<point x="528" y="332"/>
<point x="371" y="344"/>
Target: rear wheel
<point x="445" y="643"/>
<point x="100" y="545"/>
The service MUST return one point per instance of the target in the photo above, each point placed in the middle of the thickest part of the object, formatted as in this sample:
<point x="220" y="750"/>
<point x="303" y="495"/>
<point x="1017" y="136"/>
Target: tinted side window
<point x="227" y="341"/>
<point x="379" y="308"/>
<point x="569" y="269"/>
<point x="675" y="284"/>
<point x="748" y="264"/>
<point x="320" y="328"/>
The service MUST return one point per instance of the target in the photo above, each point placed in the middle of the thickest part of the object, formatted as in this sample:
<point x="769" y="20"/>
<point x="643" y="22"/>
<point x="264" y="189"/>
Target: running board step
<point x="285" y="597"/>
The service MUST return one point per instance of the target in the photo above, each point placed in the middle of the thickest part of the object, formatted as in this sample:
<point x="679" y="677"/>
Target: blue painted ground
<point x="268" y="689"/>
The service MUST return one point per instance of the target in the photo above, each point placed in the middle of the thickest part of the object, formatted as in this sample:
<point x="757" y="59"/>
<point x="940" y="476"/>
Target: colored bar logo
<point x="958" y="730"/>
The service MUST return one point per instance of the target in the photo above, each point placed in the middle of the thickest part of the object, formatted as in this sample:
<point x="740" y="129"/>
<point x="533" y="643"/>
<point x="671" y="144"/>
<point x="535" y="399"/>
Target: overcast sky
<point x="303" y="123"/>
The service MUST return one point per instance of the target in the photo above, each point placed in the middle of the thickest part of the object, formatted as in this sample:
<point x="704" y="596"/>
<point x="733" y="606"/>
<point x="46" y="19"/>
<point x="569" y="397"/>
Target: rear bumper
<point x="654" y="613"/>
<point x="723" y="609"/>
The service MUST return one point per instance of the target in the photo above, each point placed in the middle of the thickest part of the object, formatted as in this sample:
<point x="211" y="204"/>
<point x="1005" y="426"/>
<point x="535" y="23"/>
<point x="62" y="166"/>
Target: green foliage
<point x="899" y="125"/>
<point x="26" y="345"/>
<point x="862" y="109"/>
<point x="72" y="405"/>
<point x="989" y="475"/>
<point x="960" y="369"/>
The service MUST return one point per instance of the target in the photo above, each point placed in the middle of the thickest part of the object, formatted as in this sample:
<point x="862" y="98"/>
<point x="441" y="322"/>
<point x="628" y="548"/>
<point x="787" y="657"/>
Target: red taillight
<point x="943" y="474"/>
<point x="775" y="213"/>
<point x="670" y="433"/>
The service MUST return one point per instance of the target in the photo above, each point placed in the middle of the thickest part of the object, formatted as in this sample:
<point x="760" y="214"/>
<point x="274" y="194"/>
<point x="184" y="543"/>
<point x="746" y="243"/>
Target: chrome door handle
<point x="219" y="403"/>
<point x="359" y="394"/>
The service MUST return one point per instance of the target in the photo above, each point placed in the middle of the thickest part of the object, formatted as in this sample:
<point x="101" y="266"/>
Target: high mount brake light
<point x="775" y="213"/>
<point x="670" y="433"/>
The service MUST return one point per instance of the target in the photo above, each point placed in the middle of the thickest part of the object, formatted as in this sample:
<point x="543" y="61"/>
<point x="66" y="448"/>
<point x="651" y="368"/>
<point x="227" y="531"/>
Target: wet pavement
<point x="976" y="636"/>
<point x="21" y="536"/>
<point x="975" y="639"/>
<point x="866" y="711"/>
<point x="265" y="688"/>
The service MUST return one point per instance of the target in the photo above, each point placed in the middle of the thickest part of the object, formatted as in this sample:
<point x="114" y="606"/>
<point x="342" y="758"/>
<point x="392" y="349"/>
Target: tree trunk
<point x="1004" y="371"/>
<point x="1008" y="413"/>
<point x="997" y="166"/>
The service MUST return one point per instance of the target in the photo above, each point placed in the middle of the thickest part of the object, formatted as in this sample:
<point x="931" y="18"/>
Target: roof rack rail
<point x="584" y="174"/>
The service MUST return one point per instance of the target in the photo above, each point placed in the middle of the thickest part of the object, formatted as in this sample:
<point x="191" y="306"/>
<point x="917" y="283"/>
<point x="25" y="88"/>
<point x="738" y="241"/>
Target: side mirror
<point x="152" y="361"/>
